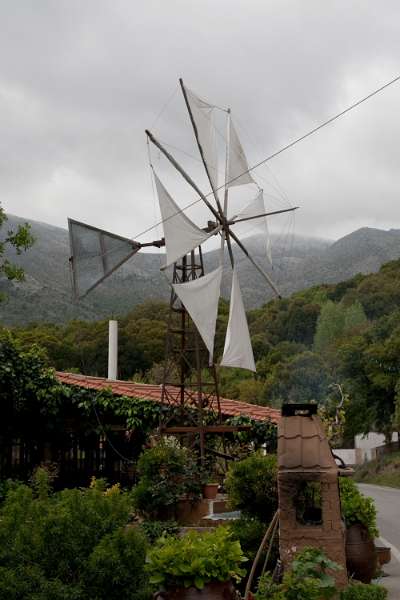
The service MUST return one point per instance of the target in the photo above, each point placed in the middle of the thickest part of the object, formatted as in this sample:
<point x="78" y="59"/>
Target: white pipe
<point x="113" y="350"/>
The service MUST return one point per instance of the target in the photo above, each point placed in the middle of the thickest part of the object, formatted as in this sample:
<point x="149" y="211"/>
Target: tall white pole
<point x="113" y="350"/>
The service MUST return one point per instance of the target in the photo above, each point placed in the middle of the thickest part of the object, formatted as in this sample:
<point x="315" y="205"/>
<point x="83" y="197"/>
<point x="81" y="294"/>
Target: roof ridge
<point x="120" y="387"/>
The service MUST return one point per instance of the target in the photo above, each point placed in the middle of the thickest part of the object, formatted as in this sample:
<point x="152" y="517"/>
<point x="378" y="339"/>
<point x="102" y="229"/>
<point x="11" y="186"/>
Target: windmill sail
<point x="255" y="208"/>
<point x="237" y="163"/>
<point x="203" y="117"/>
<point x="238" y="351"/>
<point x="200" y="298"/>
<point x="95" y="254"/>
<point x="181" y="234"/>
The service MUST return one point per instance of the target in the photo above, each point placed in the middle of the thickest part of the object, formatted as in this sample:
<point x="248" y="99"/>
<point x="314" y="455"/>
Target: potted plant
<point x="167" y="473"/>
<point x="197" y="565"/>
<point x="359" y="513"/>
<point x="210" y="490"/>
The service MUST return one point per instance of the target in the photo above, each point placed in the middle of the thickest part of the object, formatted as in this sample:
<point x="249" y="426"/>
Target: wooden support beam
<point x="206" y="429"/>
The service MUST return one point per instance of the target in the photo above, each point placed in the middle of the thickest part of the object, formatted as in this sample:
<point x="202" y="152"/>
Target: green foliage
<point x="20" y="240"/>
<point x="82" y="346"/>
<point x="354" y="317"/>
<point x="35" y="404"/>
<point x="69" y="545"/>
<point x="195" y="559"/>
<point x="330" y="326"/>
<point x="333" y="415"/>
<point x="307" y="579"/>
<point x="261" y="435"/>
<point x="249" y="531"/>
<point x="28" y="388"/>
<point x="364" y="591"/>
<point x="156" y="529"/>
<point x="347" y="334"/>
<point x="291" y="320"/>
<point x="251" y="485"/>
<point x="166" y="473"/>
<point x="293" y="374"/>
<point x="115" y="568"/>
<point x="357" y="508"/>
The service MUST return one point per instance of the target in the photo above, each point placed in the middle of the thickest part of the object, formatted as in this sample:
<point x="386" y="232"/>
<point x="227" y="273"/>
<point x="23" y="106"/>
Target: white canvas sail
<point x="238" y="351"/>
<point x="200" y="298"/>
<point x="181" y="234"/>
<point x="203" y="116"/>
<point x="237" y="163"/>
<point x="253" y="209"/>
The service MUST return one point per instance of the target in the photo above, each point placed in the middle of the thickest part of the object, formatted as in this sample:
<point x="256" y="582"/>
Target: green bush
<point x="28" y="582"/>
<point x="364" y="591"/>
<point x="251" y="485"/>
<point x="156" y="529"/>
<point x="307" y="579"/>
<point x="166" y="473"/>
<point x="51" y="544"/>
<point x="249" y="531"/>
<point x="357" y="508"/>
<point x="195" y="559"/>
<point x="115" y="569"/>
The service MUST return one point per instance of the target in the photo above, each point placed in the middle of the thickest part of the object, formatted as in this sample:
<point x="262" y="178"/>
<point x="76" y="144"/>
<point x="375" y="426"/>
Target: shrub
<point x="29" y="581"/>
<point x="249" y="531"/>
<point x="356" y="507"/>
<point x="251" y="485"/>
<point x="307" y="579"/>
<point x="195" y="559"/>
<point x="156" y="529"/>
<point x="364" y="591"/>
<point x="50" y="543"/>
<point x="116" y="566"/>
<point x="167" y="472"/>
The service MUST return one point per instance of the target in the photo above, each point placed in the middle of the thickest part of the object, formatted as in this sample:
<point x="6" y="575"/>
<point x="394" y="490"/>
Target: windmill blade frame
<point x="106" y="251"/>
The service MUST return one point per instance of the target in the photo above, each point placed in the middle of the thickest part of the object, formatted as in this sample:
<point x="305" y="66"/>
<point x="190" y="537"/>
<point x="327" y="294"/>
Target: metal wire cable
<point x="167" y="103"/>
<point x="284" y="148"/>
<point x="274" y="154"/>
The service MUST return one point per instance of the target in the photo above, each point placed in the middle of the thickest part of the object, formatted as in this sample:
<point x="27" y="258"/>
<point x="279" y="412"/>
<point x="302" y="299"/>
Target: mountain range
<point x="299" y="262"/>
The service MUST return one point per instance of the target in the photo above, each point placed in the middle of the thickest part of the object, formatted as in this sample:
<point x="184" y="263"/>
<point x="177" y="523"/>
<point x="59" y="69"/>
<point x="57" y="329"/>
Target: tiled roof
<point x="302" y="444"/>
<point x="229" y="408"/>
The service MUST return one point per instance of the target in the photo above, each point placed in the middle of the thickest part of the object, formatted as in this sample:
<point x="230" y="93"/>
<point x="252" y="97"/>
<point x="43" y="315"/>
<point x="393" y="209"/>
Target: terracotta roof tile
<point x="144" y="391"/>
<point x="302" y="444"/>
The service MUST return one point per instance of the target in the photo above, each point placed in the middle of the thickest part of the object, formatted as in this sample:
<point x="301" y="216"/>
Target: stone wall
<point x="329" y="536"/>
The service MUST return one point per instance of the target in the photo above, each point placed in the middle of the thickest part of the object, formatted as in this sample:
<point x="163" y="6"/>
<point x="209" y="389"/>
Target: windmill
<point x="96" y="254"/>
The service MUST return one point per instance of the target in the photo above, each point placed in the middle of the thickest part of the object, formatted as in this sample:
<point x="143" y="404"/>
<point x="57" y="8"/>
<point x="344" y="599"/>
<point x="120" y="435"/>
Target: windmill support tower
<point x="184" y="389"/>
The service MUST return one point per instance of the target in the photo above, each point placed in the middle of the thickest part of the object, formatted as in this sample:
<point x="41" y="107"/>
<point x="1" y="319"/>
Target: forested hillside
<point x="327" y="343"/>
<point x="299" y="262"/>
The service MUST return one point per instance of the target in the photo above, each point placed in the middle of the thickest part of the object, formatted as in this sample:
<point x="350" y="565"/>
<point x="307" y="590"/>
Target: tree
<point x="20" y="240"/>
<point x="330" y="326"/>
<point x="354" y="317"/>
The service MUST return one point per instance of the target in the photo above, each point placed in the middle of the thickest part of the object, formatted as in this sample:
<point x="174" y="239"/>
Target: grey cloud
<point x="80" y="81"/>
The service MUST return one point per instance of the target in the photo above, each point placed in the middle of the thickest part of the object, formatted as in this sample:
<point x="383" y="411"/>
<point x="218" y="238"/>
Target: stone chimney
<point x="308" y="488"/>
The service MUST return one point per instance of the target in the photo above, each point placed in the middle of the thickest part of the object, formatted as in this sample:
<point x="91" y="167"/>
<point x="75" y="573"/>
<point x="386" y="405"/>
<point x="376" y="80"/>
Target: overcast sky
<point x="80" y="80"/>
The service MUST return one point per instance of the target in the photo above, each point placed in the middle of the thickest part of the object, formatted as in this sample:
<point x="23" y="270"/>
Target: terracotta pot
<point x="383" y="554"/>
<point x="211" y="591"/>
<point x="360" y="553"/>
<point x="210" y="491"/>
